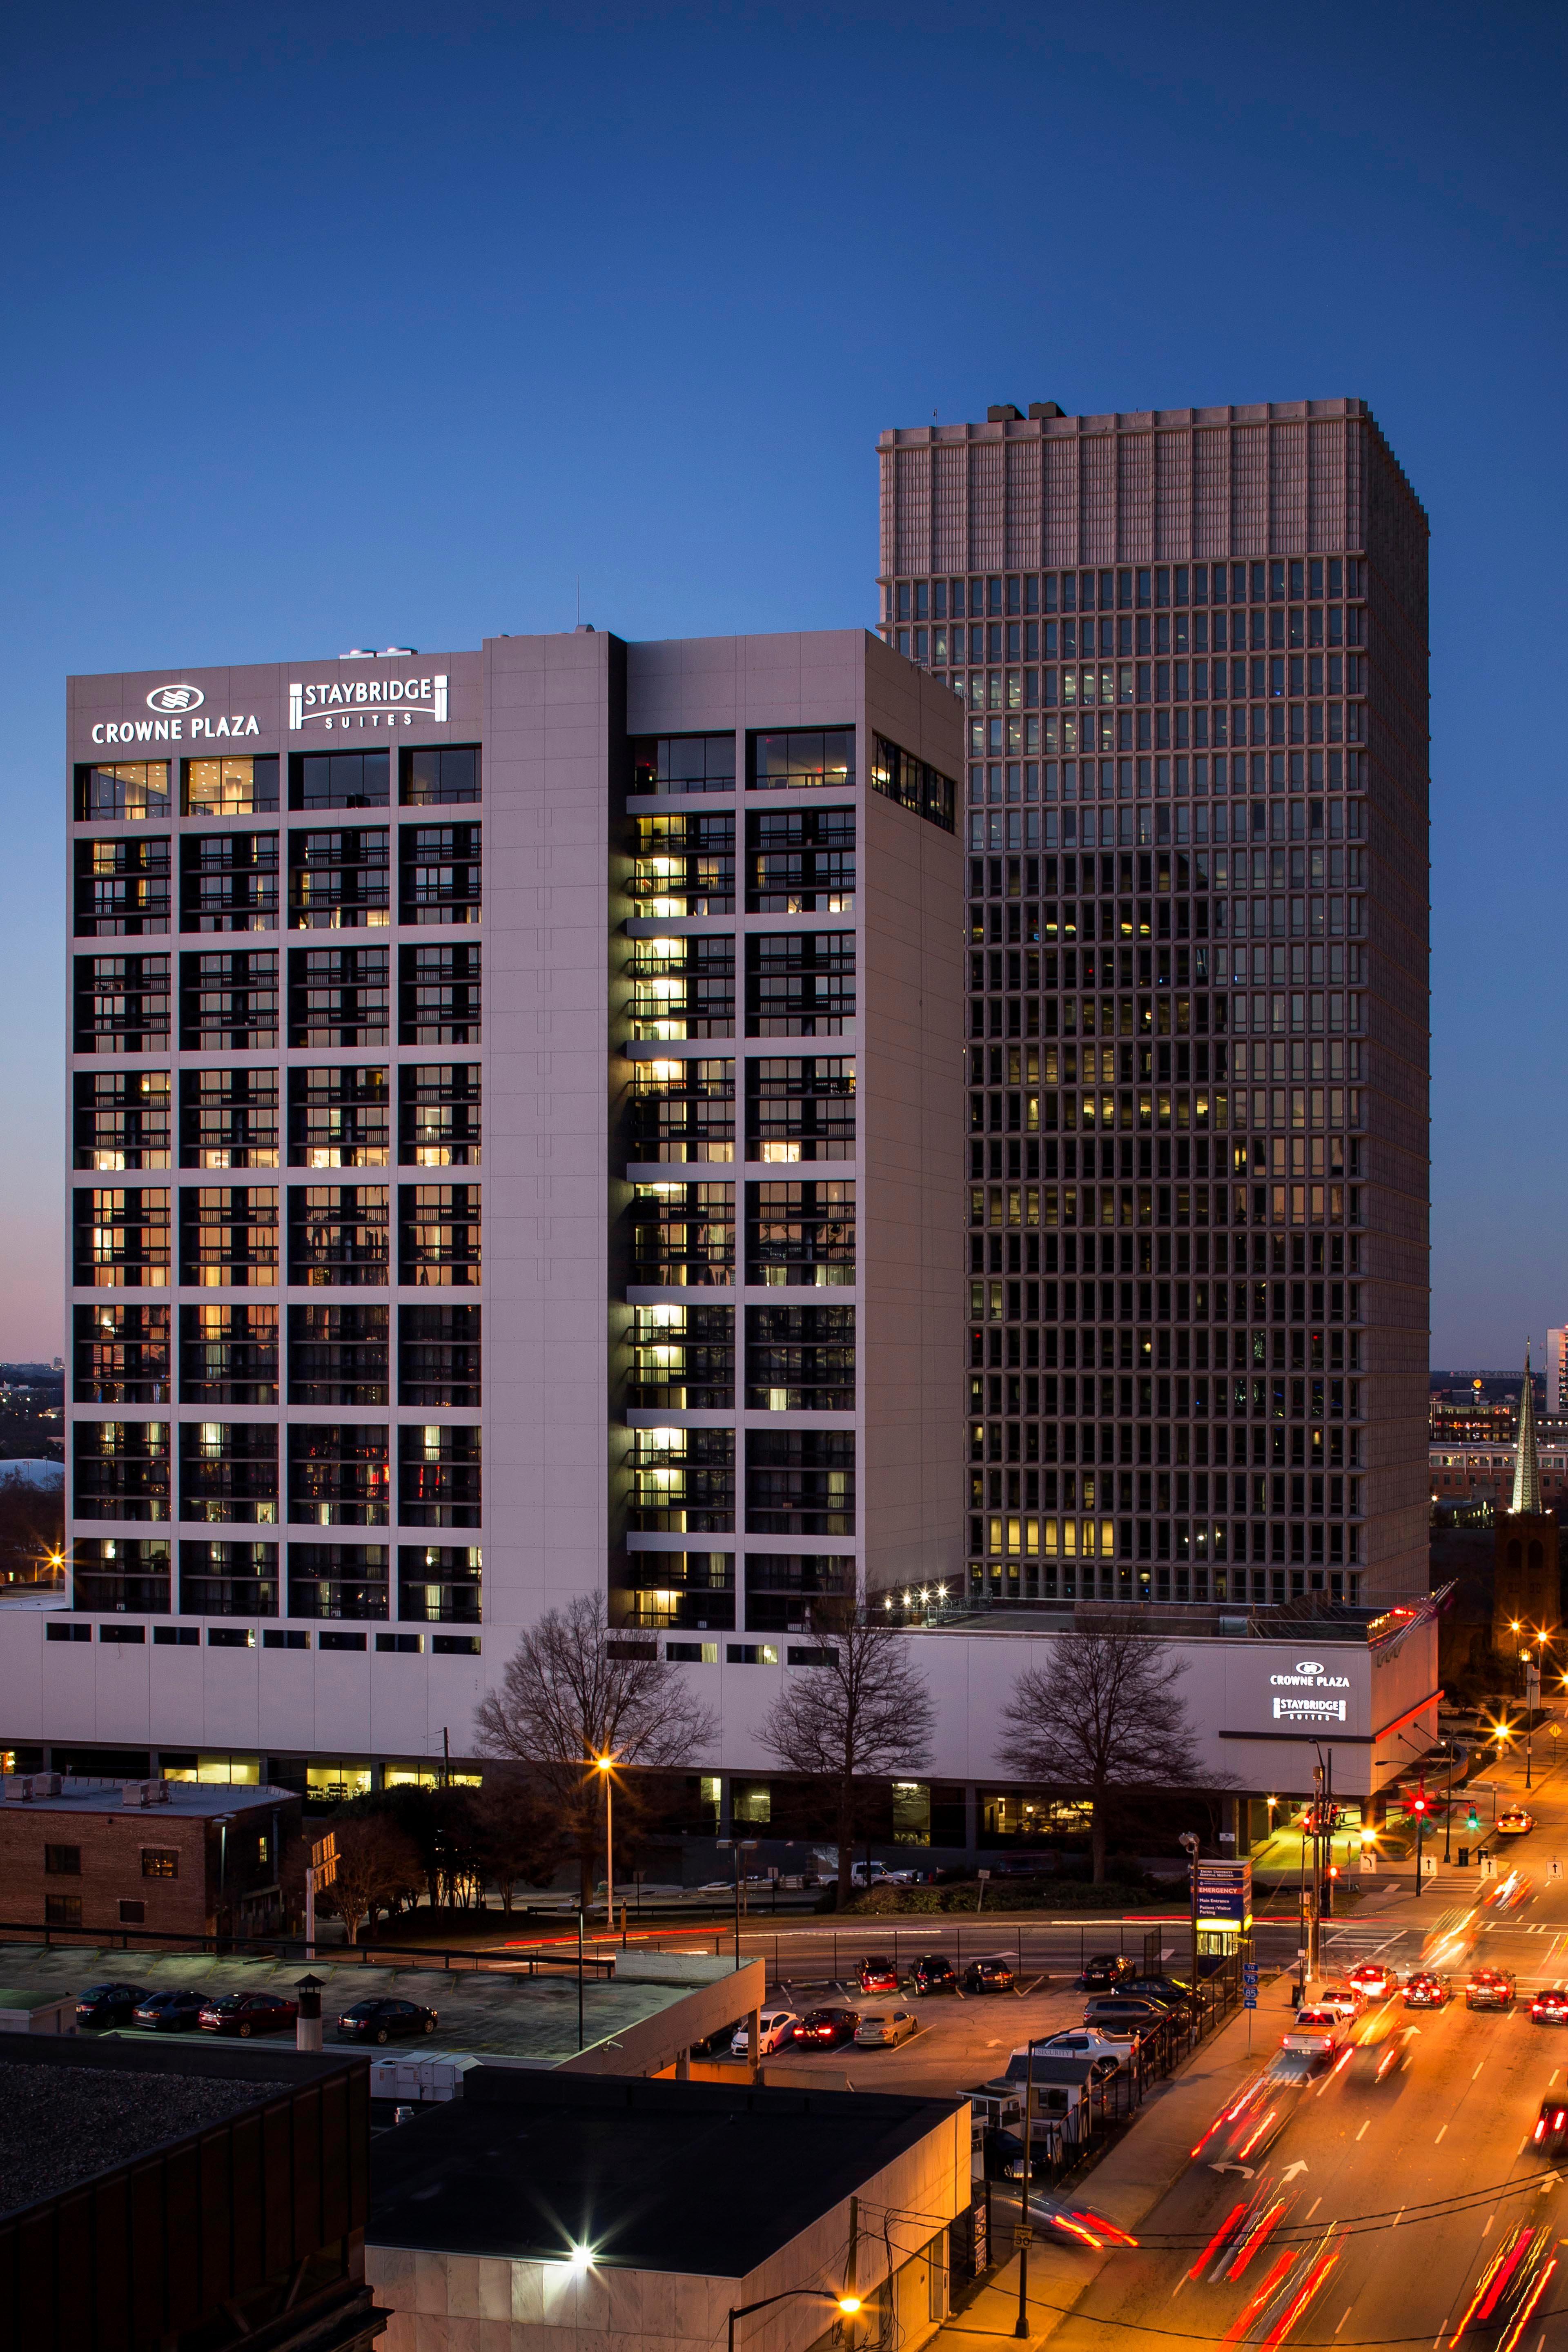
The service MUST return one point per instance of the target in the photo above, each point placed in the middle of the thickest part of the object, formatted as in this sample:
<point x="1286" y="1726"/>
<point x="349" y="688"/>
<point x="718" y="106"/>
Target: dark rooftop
<point x="696" y="2178"/>
<point x="59" y="2127"/>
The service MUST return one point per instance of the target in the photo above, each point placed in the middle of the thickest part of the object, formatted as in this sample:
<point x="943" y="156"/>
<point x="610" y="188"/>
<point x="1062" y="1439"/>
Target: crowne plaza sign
<point x="1309" y="1693"/>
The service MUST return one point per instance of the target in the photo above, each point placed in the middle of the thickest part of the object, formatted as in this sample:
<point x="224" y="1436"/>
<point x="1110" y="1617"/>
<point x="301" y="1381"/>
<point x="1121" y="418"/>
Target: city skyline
<point x="532" y="462"/>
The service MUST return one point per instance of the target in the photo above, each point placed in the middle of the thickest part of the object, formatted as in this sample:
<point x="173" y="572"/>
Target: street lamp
<point x="739" y="1846"/>
<point x="603" y="1766"/>
<point x="848" y="2304"/>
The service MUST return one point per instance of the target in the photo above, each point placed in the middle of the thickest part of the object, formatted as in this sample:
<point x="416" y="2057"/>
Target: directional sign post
<point x="320" y="1872"/>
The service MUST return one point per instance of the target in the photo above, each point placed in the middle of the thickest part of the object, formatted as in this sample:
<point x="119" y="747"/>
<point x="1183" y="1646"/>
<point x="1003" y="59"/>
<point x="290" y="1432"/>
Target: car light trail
<point x="1299" y="2302"/>
<point x="1239" y="2327"/>
<point x="1255" y="2238"/>
<point x="1220" y="2235"/>
<point x="1512" y="2338"/>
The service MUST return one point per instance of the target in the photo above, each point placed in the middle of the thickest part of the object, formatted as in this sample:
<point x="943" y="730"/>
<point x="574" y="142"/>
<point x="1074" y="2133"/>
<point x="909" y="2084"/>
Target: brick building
<point x="172" y="1857"/>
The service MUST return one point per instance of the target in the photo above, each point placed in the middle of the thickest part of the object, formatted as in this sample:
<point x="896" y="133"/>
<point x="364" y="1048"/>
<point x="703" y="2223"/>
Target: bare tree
<point x="376" y="1865"/>
<point x="567" y="1697"/>
<point x="1103" y="1713"/>
<point x="518" y="1833"/>
<point x="864" y="1712"/>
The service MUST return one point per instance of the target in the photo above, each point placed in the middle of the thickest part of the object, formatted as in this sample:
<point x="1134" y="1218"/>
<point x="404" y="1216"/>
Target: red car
<point x="1550" y="2006"/>
<point x="878" y="1974"/>
<point x="1373" y="1980"/>
<point x="825" y="2028"/>
<point x="246" y="2014"/>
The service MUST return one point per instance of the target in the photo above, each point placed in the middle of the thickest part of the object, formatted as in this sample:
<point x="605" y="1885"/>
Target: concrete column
<point x="971" y="1823"/>
<point x="754" y="2042"/>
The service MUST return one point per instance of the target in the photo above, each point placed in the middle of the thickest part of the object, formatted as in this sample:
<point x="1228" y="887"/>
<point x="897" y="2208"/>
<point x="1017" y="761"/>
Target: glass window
<point x="228" y="787"/>
<point x="128" y="790"/>
<point x="449" y="773"/>
<point x="324" y="779"/>
<point x="683" y="764"/>
<point x="802" y="758"/>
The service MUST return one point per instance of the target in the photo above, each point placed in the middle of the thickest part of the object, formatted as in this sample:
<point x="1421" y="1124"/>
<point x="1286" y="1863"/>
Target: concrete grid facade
<point x="1191" y="650"/>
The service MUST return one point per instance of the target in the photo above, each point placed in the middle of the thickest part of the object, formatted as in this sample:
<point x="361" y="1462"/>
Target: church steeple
<point x="1526" y="1460"/>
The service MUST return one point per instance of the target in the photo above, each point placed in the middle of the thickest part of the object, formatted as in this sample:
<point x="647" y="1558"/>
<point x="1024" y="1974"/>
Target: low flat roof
<point x="206" y="1801"/>
<point x="694" y="2178"/>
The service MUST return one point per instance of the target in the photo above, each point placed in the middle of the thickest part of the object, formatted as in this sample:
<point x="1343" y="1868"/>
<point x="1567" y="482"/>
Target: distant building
<point x="1557" y="1372"/>
<point x="1526" y="1588"/>
<point x="176" y="1857"/>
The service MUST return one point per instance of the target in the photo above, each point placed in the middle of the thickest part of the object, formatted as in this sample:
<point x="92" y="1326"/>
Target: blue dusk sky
<point x="329" y="327"/>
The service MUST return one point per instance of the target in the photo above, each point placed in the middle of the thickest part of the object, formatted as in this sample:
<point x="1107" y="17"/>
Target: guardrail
<point x="286" y="1949"/>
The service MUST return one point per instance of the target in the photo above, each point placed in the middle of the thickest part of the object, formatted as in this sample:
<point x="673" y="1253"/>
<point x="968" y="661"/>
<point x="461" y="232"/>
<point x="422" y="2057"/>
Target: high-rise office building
<point x="515" y="1153"/>
<point x="1190" y="647"/>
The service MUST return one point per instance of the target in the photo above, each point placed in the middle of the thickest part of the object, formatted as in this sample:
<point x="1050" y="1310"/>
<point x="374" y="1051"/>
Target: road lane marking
<point x="1360" y="2135"/>
<point x="1478" y="2070"/>
<point x="1440" y="2135"/>
<point x="1313" y="2207"/>
<point x="1349" y="2309"/>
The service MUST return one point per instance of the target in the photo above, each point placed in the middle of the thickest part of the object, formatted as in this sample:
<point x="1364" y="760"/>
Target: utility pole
<point x="1021" y="2325"/>
<point x="1190" y="1848"/>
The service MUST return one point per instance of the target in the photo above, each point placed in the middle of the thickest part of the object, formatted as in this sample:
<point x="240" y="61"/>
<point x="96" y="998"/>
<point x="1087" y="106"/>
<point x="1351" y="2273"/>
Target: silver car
<point x="886" y="2028"/>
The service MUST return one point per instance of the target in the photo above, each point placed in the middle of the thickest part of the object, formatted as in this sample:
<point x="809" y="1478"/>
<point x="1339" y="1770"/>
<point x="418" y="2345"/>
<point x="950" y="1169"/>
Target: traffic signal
<point x="1474" y="1822"/>
<point x="1418" y="1806"/>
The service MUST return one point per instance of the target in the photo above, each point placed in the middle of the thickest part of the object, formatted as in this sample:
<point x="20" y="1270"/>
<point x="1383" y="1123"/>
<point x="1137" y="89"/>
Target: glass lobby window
<point x="348" y="780"/>
<point x="128" y="792"/>
<point x="122" y="1119"/>
<point x="122" y="887"/>
<point x="439" y="1114"/>
<point x="683" y="764"/>
<point x="428" y="778"/>
<point x="229" y="787"/>
<point x="802" y="758"/>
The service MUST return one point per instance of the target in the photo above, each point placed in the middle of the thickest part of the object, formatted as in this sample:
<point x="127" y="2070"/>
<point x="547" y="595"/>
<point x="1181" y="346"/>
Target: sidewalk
<point x="1130" y="2181"/>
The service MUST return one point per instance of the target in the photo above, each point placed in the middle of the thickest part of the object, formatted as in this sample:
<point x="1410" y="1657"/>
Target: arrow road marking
<point x="1292" y="2169"/>
<point x="1246" y="2170"/>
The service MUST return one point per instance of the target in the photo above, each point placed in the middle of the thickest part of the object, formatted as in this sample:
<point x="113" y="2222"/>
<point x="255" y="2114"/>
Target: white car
<point x="1085" y="2041"/>
<point x="777" y="2031"/>
<point x="1346" y="2001"/>
<point x="1317" y="2031"/>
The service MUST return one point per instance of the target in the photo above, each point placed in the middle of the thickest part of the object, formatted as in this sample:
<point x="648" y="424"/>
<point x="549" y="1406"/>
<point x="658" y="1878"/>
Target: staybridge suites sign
<point x="367" y="702"/>
<point x="1308" y="1694"/>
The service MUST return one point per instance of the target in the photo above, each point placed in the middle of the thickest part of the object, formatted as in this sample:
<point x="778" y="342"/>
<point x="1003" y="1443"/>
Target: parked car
<point x="878" y="1974"/>
<point x="1375" y="1979"/>
<point x="1550" y="2006"/>
<point x="1105" y="2056"/>
<point x="170" y="2012"/>
<point x="104" y="2005"/>
<point x="1136" y="2010"/>
<point x="886" y="2028"/>
<point x="825" y="2029"/>
<point x="1515" y="1822"/>
<point x="386" y="2020"/>
<point x="868" y="1873"/>
<point x="1174" y="1991"/>
<point x="1317" y="2032"/>
<point x="988" y="1976"/>
<point x="1427" y="1989"/>
<point x="1489" y="1989"/>
<point x="1103" y="1971"/>
<point x="1551" y="2133"/>
<point x="246" y="2014"/>
<point x="776" y="2030"/>
<point x="934" y="1972"/>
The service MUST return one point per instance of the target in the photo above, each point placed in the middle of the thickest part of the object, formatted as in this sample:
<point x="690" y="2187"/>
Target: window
<point x="782" y="1586"/>
<point x="796" y="1656"/>
<point x="800" y="861"/>
<point x="454" y="1645"/>
<point x="683" y="1234"/>
<point x="121" y="1120"/>
<point x="683" y="1482"/>
<point x="120" y="1238"/>
<point x="683" y="764"/>
<point x="682" y="988"/>
<point x="439" y="1118"/>
<point x="122" y="887"/>
<point x="914" y="784"/>
<point x="338" y="1355"/>
<point x="752" y="1654"/>
<point x="800" y="1481"/>
<point x="130" y="791"/>
<point x="229" y="882"/>
<point x="400" y="1645"/>
<point x="56" y="1632"/>
<point x="120" y="1355"/>
<point x="799" y="983"/>
<point x="800" y="1358"/>
<point x="438" y="1356"/>
<point x="229" y="787"/>
<point x="160" y="1862"/>
<point x="439" y="1584"/>
<point x="339" y="1117"/>
<point x="114" y="1572"/>
<point x="228" y="1473"/>
<point x="338" y="997"/>
<point x="439" y="996"/>
<point x="800" y="1109"/>
<point x="682" y="1359"/>
<point x="122" y="1004"/>
<point x="339" y="881"/>
<point x="228" y="1235"/>
<point x="330" y="1640"/>
<point x="338" y="1234"/>
<point x="337" y="1580"/>
<point x="62" y="1860"/>
<point x="229" y="1119"/>
<point x="682" y="1110"/>
<point x="228" y="1355"/>
<point x="121" y="1469"/>
<point x="444" y="773"/>
<point x="801" y="1233"/>
<point x="132" y="1912"/>
<point x="438" y="1235"/>
<point x="441" y="873"/>
<point x="692" y="1653"/>
<point x="337" y="1477"/>
<point x="802" y="758"/>
<point x="231" y="1637"/>
<point x="438" y="1475"/>
<point x="221" y="1579"/>
<point x="339" y="779"/>
<point x="172" y="1637"/>
<point x="684" y="865"/>
<point x="228" y="1001"/>
<point x="680" y="1588"/>
<point x="62" y="1910"/>
<point x="275" y="1637"/>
